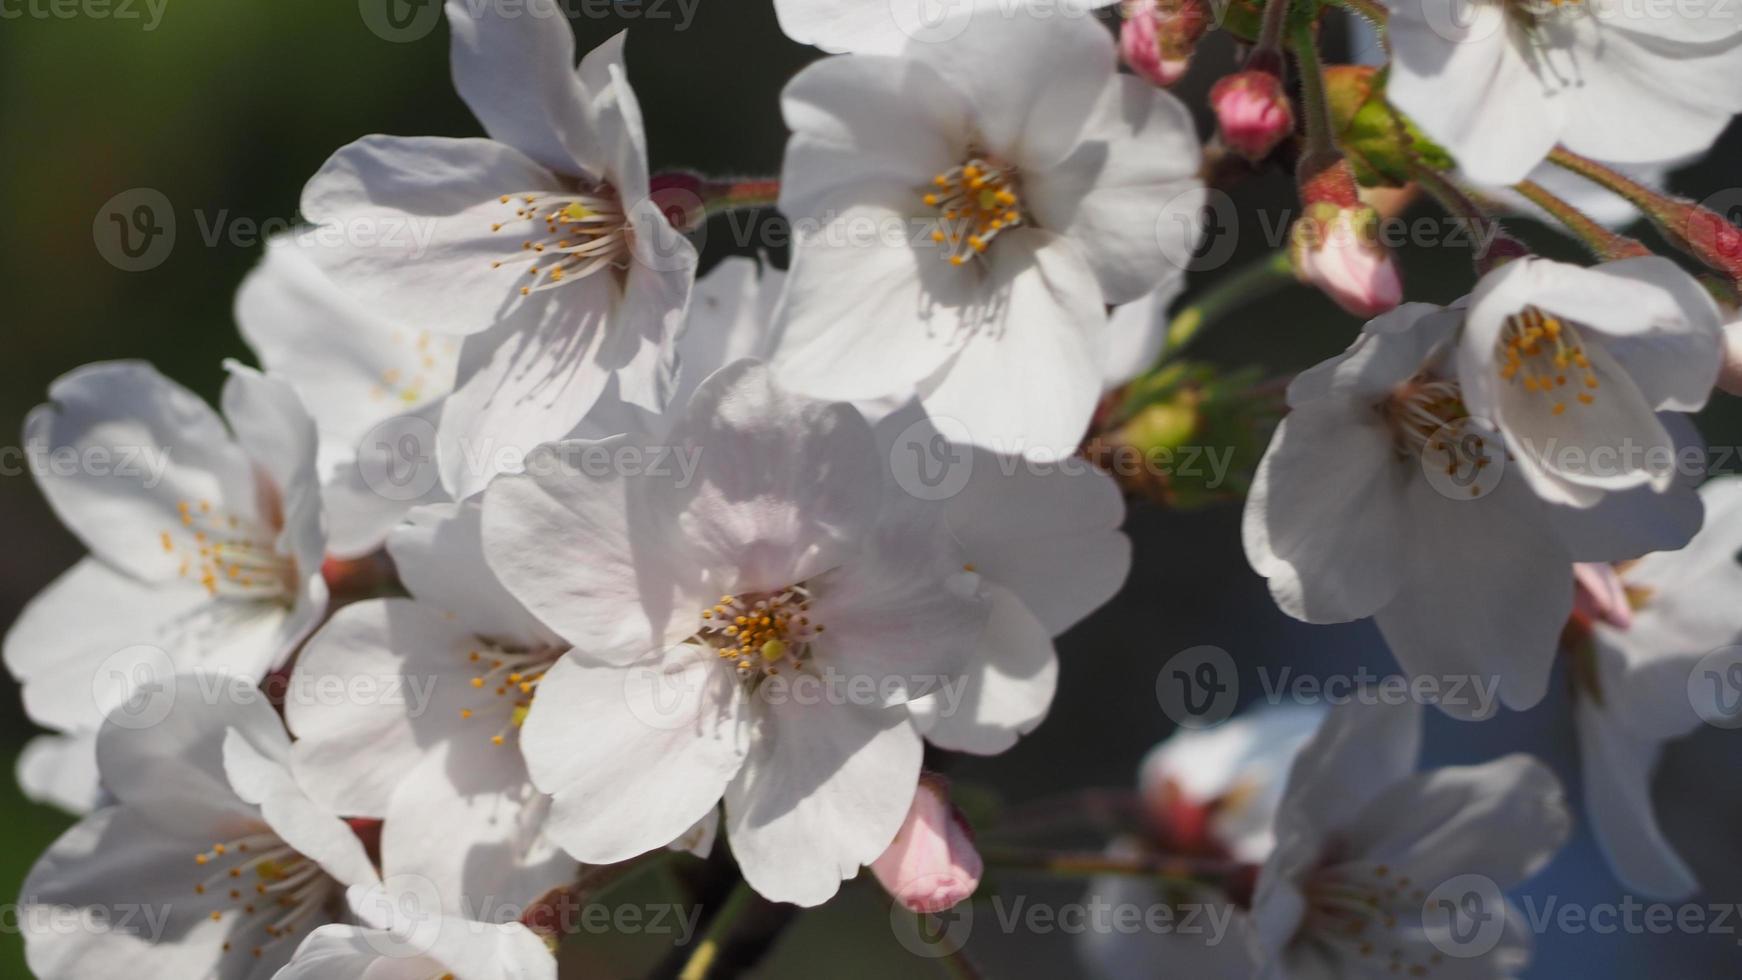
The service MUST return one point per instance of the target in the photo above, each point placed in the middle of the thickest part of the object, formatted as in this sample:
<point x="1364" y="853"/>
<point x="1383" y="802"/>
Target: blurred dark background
<point x="226" y="108"/>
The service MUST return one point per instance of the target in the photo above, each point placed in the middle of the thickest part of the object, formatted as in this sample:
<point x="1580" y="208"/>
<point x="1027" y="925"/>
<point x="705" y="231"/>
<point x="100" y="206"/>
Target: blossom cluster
<point x="531" y="550"/>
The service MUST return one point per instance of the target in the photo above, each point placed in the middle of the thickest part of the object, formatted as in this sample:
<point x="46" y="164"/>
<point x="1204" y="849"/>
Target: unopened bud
<point x="1158" y="36"/>
<point x="1336" y="250"/>
<point x="1252" y="113"/>
<point x="932" y="864"/>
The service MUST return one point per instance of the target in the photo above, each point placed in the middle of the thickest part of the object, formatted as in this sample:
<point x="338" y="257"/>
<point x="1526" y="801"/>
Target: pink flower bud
<point x="1336" y="251"/>
<point x="1158" y="36"/>
<point x="1730" y="375"/>
<point x="931" y="864"/>
<point x="1599" y="595"/>
<point x="1252" y="112"/>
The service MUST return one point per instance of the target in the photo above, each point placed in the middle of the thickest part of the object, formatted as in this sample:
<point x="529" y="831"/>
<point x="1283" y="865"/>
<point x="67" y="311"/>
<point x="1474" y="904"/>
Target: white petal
<point x="868" y="128"/>
<point x="1503" y="819"/>
<point x="520" y="388"/>
<point x="1460" y="615"/>
<point x="1325" y="520"/>
<point x="175" y="767"/>
<point x="731" y="316"/>
<point x="516" y="70"/>
<point x="483" y="845"/>
<point x="1457" y="73"/>
<point x="276" y="432"/>
<point x="1358" y="752"/>
<point x="830" y="346"/>
<point x="86" y="902"/>
<point x="1137" y="333"/>
<point x="1042" y="322"/>
<point x="1128" y="196"/>
<point x="1005" y="692"/>
<point x="823" y="791"/>
<point x="867" y="28"/>
<point x="77" y="666"/>
<point x="633" y="756"/>
<point x="353" y="368"/>
<point x="1617" y="767"/>
<point x="784" y="486"/>
<point x="405" y="230"/>
<point x="390" y="674"/>
<point x="61" y="771"/>
<point x="1033" y="83"/>
<point x="1642" y="99"/>
<point x="1048" y="534"/>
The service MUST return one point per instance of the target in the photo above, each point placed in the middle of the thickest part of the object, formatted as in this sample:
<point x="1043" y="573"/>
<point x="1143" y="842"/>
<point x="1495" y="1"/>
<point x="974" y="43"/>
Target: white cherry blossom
<point x="206" y="541"/>
<point x="1671" y="609"/>
<point x="212" y="863"/>
<point x="747" y="634"/>
<point x="539" y="245"/>
<point x="1500" y="82"/>
<point x="966" y="210"/>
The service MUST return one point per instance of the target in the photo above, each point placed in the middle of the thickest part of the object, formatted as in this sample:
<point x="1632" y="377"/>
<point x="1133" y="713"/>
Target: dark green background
<point x="227" y="107"/>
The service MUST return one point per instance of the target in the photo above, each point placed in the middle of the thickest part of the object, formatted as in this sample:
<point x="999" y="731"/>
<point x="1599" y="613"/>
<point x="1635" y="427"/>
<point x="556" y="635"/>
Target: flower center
<point x="507" y="683"/>
<point x="1428" y="420"/>
<point x="975" y="202"/>
<point x="1540" y="352"/>
<point x="762" y="633"/>
<point x="1355" y="910"/>
<point x="231" y="556"/>
<point x="567" y="235"/>
<point x="263" y="882"/>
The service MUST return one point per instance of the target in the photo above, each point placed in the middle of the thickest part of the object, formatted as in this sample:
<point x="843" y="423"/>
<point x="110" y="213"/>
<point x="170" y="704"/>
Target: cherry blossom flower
<point x="206" y="544"/>
<point x="357" y="373"/>
<point x="1365" y="844"/>
<point x="965" y="211"/>
<point x="1384" y="494"/>
<point x="746" y="634"/>
<point x="1633" y="683"/>
<point x="428" y="735"/>
<point x="212" y="863"/>
<point x="540" y="244"/>
<point x="1500" y="82"/>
